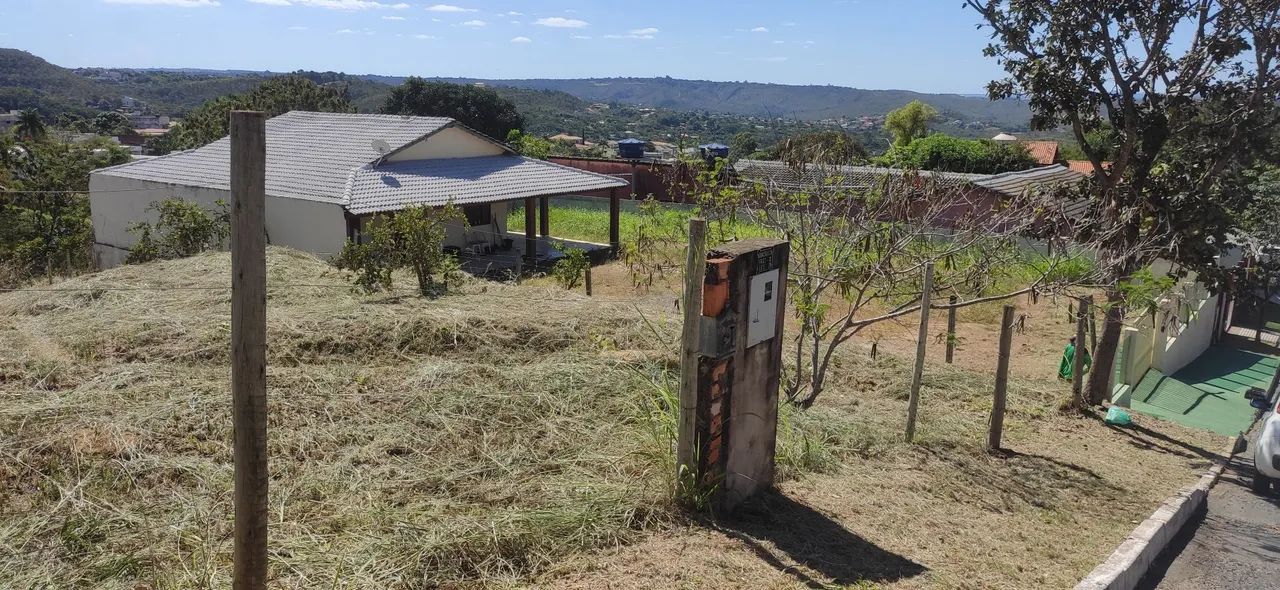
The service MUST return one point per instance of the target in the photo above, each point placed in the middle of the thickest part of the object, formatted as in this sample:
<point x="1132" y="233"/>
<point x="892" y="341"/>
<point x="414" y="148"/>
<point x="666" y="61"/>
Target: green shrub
<point x="412" y="238"/>
<point x="569" y="271"/>
<point x="182" y="228"/>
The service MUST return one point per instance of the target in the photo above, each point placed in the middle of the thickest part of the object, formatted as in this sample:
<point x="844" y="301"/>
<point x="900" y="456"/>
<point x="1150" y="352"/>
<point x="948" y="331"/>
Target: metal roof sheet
<point x="309" y="155"/>
<point x="394" y="186"/>
<point x="1015" y="184"/>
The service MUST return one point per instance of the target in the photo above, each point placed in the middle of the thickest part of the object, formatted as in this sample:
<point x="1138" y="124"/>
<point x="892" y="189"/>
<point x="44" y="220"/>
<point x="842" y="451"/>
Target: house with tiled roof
<point x="329" y="173"/>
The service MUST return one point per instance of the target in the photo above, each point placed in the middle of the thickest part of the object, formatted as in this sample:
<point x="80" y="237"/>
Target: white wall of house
<point x="319" y="228"/>
<point x="452" y="142"/>
<point x="1181" y="331"/>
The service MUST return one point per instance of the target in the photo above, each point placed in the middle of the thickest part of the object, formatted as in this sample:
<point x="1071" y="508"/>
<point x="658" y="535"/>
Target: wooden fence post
<point x="249" y="347"/>
<point x="694" y="275"/>
<point x="951" y="328"/>
<point x="1077" y="360"/>
<point x="917" y="375"/>
<point x="996" y="431"/>
<point x="587" y="280"/>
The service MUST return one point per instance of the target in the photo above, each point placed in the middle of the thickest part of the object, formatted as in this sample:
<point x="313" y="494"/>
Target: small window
<point x="478" y="215"/>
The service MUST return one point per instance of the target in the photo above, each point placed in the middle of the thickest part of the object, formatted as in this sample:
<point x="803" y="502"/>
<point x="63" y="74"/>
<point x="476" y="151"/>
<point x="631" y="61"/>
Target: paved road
<point x="1236" y="545"/>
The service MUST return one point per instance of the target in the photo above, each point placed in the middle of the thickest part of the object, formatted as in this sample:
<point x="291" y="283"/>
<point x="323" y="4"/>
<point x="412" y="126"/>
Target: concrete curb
<point x="1131" y="560"/>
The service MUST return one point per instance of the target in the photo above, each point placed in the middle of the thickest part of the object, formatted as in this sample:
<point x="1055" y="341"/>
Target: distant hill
<point x="26" y="81"/>
<point x="809" y="103"/>
<point x="668" y="109"/>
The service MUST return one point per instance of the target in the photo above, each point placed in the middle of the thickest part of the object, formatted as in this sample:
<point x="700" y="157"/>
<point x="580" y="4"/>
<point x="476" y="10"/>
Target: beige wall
<point x="458" y="234"/>
<point x="319" y="228"/>
<point x="452" y="142"/>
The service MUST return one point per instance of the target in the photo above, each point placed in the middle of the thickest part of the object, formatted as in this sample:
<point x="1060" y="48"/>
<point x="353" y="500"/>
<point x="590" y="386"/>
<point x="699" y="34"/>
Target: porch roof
<point x="464" y="181"/>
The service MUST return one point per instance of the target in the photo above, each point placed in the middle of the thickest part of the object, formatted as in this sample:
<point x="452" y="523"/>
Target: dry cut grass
<point x="414" y="443"/>
<point x="511" y="436"/>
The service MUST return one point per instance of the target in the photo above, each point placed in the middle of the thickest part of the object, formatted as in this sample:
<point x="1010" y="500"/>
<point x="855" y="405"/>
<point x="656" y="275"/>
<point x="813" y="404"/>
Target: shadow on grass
<point x="797" y="540"/>
<point x="1015" y="477"/>
<point x="1145" y="438"/>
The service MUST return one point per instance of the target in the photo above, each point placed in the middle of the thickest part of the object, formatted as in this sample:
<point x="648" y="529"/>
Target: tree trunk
<point x="1099" y="388"/>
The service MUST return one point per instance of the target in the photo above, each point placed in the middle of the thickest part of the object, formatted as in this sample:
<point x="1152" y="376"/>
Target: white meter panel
<point x="762" y="308"/>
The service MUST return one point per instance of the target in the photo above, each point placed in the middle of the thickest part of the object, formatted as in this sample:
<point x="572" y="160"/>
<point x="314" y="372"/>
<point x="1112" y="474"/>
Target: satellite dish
<point x="381" y="146"/>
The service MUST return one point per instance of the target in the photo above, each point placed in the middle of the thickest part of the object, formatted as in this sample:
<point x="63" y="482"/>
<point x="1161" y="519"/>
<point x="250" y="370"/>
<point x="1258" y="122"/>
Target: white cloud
<point x="335" y="4"/>
<point x="449" y="8"/>
<point x="774" y="60"/>
<point x="421" y="36"/>
<point x="561" y="22"/>
<point x="178" y="3"/>
<point x="582" y="36"/>
<point x="760" y="30"/>
<point x="789" y="24"/>
<point x="522" y="40"/>
<point x="344" y="32"/>
<point x="645" y="33"/>
<point x="512" y="13"/>
<point x="474" y="23"/>
<point x="393" y="18"/>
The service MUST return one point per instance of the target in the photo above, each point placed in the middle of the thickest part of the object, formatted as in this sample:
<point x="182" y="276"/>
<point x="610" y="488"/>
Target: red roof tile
<point x="1045" y="152"/>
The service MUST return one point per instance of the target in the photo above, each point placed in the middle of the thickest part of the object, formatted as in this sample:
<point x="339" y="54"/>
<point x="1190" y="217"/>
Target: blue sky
<point x="924" y="45"/>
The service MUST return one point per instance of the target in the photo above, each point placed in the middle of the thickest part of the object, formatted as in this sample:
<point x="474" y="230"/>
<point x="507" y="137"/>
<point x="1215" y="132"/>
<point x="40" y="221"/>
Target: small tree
<point x="412" y="238"/>
<point x="1188" y="91"/>
<point x="909" y="122"/>
<point x="182" y="228"/>
<point x="30" y="126"/>
<point x="569" y="271"/>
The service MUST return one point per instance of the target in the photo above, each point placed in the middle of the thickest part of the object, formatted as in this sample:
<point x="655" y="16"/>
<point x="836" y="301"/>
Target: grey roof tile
<point x="396" y="185"/>
<point x="309" y="155"/>
<point x="1014" y="184"/>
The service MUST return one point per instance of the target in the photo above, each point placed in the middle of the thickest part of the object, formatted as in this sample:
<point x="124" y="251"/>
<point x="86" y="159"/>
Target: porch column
<point x="530" y="237"/>
<point x="614" y="207"/>
<point x="544" y="216"/>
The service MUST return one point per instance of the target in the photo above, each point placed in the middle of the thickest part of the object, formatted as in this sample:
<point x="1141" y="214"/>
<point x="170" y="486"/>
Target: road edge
<point x="1130" y="561"/>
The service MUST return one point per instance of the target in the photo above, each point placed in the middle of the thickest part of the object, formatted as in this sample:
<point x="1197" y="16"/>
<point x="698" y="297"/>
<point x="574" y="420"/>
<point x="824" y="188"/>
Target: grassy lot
<point x="513" y="436"/>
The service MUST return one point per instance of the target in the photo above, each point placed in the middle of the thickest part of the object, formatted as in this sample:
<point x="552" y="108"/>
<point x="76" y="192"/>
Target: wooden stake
<point x="1077" y="360"/>
<point x="588" y="281"/>
<point x="996" y="431"/>
<point x="694" y="275"/>
<point x="913" y="402"/>
<point x="951" y="328"/>
<point x="1093" y="330"/>
<point x="249" y="347"/>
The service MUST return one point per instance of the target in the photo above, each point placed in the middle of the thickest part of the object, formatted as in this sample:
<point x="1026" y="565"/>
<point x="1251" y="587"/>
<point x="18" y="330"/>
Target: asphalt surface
<point x="1234" y="545"/>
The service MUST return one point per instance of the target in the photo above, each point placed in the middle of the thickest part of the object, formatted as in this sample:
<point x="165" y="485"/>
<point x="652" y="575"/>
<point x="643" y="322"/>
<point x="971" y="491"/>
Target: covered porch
<point x="534" y="248"/>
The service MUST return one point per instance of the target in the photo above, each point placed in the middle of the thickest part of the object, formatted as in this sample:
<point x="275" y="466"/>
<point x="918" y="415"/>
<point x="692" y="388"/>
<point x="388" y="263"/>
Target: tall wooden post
<point x="587" y="280"/>
<point x="913" y="402"/>
<point x="1077" y="360"/>
<point x="996" y="431"/>
<point x="249" y="347"/>
<point x="615" y="209"/>
<point x="544" y="216"/>
<point x="951" y="328"/>
<point x="694" y="274"/>
<point x="530" y="226"/>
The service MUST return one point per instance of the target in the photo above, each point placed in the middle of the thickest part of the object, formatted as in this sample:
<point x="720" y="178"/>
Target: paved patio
<point x="504" y="263"/>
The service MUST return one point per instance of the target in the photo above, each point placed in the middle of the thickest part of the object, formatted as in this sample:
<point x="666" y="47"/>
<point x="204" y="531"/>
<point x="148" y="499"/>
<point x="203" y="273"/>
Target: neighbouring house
<point x="982" y="192"/>
<point x="8" y="120"/>
<point x="148" y="121"/>
<point x="1044" y="152"/>
<point x="329" y="173"/>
